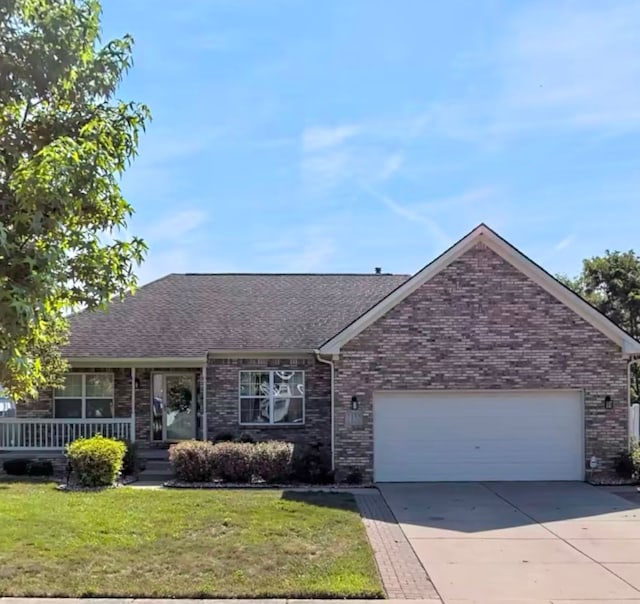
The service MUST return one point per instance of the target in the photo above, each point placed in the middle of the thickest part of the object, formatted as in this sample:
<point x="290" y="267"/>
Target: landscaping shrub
<point x="635" y="460"/>
<point x="245" y="437"/>
<point x="28" y="467"/>
<point x="233" y="462"/>
<point x="96" y="461"/>
<point x="272" y="461"/>
<point x="354" y="476"/>
<point x="40" y="467"/>
<point x="16" y="467"/>
<point x="623" y="464"/>
<point x="223" y="437"/>
<point x="131" y="462"/>
<point x="312" y="464"/>
<point x="192" y="460"/>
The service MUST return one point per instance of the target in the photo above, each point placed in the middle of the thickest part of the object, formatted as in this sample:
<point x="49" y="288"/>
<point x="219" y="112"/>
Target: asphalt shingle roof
<point x="184" y="315"/>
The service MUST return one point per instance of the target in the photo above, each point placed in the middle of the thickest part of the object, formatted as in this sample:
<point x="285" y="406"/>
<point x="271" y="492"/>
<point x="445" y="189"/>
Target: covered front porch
<point x="152" y="402"/>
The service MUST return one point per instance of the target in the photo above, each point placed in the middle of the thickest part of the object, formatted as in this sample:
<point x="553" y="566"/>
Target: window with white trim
<point x="84" y="395"/>
<point x="272" y="397"/>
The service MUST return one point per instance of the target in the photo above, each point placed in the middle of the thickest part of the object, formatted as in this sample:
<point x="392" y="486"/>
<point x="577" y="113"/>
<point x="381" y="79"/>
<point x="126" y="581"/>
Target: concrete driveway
<point x="538" y="542"/>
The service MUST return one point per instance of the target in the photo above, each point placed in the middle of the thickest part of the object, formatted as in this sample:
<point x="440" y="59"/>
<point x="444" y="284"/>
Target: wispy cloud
<point x="391" y="165"/>
<point x="175" y="226"/>
<point x="434" y="229"/>
<point x="310" y="249"/>
<point x="314" y="255"/>
<point x="453" y="202"/>
<point x="563" y="244"/>
<point x="318" y="138"/>
<point x="351" y="153"/>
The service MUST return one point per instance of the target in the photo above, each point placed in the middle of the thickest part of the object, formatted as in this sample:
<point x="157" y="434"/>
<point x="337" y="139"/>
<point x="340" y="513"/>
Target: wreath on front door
<point x="179" y="398"/>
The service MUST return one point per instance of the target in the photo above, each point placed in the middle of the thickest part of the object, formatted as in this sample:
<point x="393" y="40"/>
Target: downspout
<point x="333" y="373"/>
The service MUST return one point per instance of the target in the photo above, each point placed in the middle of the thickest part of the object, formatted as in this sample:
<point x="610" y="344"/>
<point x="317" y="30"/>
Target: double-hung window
<point x="272" y="397"/>
<point x="84" y="395"/>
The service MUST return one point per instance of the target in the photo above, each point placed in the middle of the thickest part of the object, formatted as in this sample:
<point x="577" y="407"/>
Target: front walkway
<point x="535" y="542"/>
<point x="401" y="572"/>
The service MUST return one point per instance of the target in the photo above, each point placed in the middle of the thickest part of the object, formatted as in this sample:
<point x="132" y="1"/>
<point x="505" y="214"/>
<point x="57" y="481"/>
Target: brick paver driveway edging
<point x="402" y="573"/>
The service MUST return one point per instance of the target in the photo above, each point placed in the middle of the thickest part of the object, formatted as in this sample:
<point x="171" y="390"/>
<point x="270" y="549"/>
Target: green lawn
<point x="177" y="543"/>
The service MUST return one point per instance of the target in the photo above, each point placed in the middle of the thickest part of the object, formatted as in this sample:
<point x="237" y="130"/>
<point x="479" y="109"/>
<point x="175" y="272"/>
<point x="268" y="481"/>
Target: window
<point x="87" y="395"/>
<point x="271" y="397"/>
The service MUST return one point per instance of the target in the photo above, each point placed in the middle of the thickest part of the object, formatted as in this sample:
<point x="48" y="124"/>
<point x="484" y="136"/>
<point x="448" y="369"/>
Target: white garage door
<point x="487" y="435"/>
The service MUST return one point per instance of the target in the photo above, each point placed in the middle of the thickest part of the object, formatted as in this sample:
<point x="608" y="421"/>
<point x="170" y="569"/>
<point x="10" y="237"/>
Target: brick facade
<point x="480" y="324"/>
<point x="222" y="400"/>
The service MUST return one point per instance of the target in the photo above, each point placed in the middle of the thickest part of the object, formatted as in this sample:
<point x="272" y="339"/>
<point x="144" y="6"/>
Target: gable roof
<point x="183" y="316"/>
<point x="508" y="252"/>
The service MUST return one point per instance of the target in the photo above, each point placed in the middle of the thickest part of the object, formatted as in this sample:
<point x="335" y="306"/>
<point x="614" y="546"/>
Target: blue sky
<point x="292" y="135"/>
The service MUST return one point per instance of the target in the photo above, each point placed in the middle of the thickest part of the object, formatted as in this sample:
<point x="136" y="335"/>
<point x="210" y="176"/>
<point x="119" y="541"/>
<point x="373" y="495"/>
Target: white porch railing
<point x="24" y="433"/>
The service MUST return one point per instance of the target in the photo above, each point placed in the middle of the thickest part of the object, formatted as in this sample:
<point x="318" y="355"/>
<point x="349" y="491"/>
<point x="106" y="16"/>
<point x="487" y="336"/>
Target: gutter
<point x="333" y="374"/>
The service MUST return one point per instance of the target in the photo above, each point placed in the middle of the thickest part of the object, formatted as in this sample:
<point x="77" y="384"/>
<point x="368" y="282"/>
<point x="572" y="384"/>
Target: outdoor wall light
<point x="354" y="403"/>
<point x="137" y="383"/>
<point x="608" y="402"/>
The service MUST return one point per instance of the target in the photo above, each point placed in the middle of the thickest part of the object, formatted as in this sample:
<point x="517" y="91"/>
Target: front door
<point x="173" y="406"/>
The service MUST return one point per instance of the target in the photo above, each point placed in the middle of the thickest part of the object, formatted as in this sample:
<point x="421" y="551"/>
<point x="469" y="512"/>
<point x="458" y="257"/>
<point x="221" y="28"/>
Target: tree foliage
<point x="612" y="284"/>
<point x="65" y="140"/>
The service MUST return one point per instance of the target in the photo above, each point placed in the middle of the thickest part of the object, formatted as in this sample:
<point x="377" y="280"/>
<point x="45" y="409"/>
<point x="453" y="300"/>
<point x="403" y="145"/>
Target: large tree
<point x="65" y="139"/>
<point x="612" y="284"/>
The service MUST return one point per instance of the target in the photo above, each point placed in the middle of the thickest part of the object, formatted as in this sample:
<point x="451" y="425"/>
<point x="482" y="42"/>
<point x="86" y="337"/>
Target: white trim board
<point x="483" y="234"/>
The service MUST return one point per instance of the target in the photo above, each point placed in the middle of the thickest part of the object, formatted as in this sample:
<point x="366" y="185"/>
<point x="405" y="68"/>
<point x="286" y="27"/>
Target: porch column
<point x="133" y="404"/>
<point x="204" y="402"/>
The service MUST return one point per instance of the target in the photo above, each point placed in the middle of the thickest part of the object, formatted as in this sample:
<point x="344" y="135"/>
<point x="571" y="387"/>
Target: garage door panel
<point x="478" y="436"/>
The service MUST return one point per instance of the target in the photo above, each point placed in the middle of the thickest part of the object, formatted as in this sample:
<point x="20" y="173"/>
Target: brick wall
<point x="481" y="324"/>
<point x="222" y="400"/>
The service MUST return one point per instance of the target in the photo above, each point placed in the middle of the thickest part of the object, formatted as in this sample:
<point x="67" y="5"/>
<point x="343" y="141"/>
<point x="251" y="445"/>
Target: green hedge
<point x="192" y="461"/>
<point x="28" y="467"/>
<point x="96" y="461"/>
<point x="243" y="462"/>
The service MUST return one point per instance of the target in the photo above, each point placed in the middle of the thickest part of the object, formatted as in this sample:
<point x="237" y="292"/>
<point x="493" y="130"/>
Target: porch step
<point x="156" y="465"/>
<point x="155" y="454"/>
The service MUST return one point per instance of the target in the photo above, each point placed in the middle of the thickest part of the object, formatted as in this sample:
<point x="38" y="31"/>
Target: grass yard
<point x="186" y="544"/>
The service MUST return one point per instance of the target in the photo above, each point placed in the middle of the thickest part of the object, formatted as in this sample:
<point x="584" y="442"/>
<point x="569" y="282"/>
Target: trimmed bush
<point x="233" y="462"/>
<point x="131" y="463"/>
<point x="96" y="461"/>
<point x="623" y="464"/>
<point x="272" y="461"/>
<point x="245" y="437"/>
<point x="16" y="467"/>
<point x="28" y="467"/>
<point x="192" y="460"/>
<point x="312" y="465"/>
<point x="635" y="460"/>
<point x="40" y="467"/>
<point x="353" y="476"/>
<point x="223" y="437"/>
